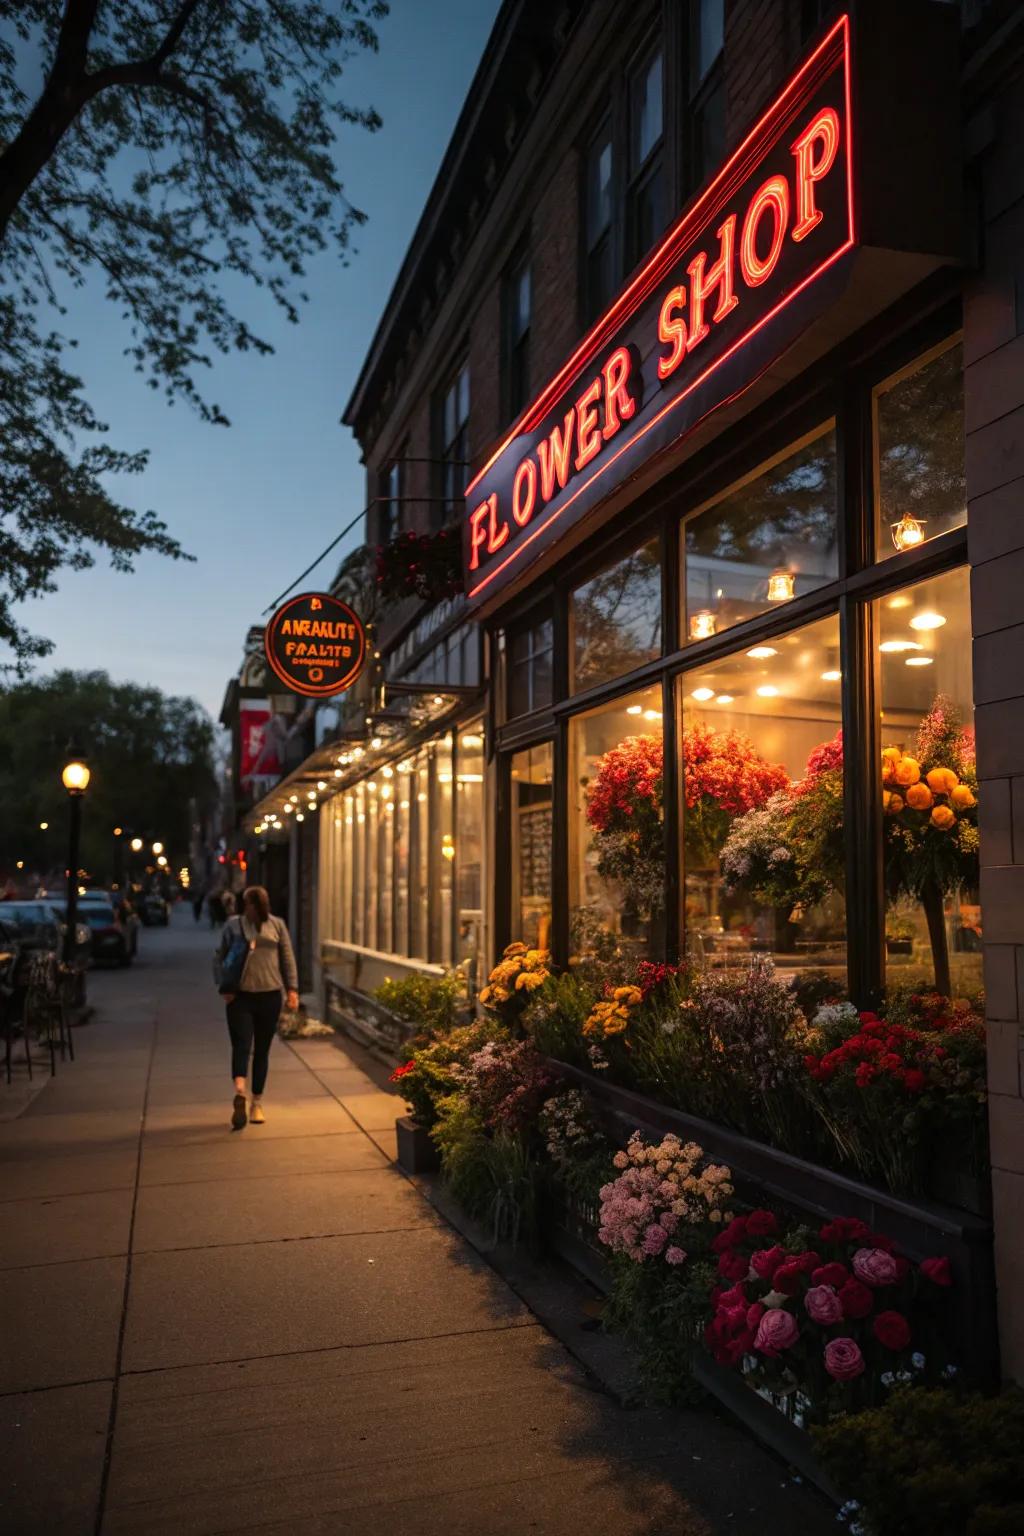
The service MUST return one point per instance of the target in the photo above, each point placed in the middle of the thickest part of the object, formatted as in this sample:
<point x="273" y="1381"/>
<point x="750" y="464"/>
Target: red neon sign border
<point x="740" y="341"/>
<point x="593" y="339"/>
<point x="312" y="690"/>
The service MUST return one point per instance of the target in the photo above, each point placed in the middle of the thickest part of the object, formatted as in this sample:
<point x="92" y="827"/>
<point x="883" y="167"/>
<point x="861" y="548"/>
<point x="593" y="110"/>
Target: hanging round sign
<point x="316" y="645"/>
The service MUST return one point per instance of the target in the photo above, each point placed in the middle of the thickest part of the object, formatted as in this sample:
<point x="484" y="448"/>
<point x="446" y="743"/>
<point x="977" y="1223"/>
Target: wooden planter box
<point x="921" y="1228"/>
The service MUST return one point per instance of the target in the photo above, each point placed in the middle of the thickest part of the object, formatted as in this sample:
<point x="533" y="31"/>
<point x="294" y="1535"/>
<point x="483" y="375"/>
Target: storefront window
<point x="420" y="867"/>
<point x="930" y="787"/>
<point x="443" y="855"/>
<point x="385" y="858"/>
<point x="529" y="667"/>
<point x="359" y="865"/>
<point x="768" y="539"/>
<point x="763" y="848"/>
<point x="402" y="822"/>
<point x="616" y="619"/>
<point x="617" y="848"/>
<point x="532" y="774"/>
<point x="919" y="451"/>
<point x="469" y="849"/>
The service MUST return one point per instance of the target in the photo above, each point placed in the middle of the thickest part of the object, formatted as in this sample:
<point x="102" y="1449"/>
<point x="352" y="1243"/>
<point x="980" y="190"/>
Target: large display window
<point x="615" y="619"/>
<point x="918" y="432"/>
<point x="532" y="795"/>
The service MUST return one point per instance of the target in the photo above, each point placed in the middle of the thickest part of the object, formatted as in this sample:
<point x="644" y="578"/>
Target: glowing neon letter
<point x="824" y="130"/>
<point x="774" y="194"/>
<point x="702" y="282"/>
<point x="619" y="401"/>
<point x="495" y="537"/>
<point x="588" y="428"/>
<point x="477" y="532"/>
<point x="553" y="452"/>
<point x="527" y="472"/>
<point x="672" y="331"/>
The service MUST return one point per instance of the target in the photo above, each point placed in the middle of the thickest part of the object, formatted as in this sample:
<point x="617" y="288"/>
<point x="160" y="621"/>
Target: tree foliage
<point x="160" y="147"/>
<point x="151" y="758"/>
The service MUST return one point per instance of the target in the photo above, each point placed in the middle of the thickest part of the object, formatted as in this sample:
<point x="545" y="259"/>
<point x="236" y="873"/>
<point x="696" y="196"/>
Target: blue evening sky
<point x="256" y="502"/>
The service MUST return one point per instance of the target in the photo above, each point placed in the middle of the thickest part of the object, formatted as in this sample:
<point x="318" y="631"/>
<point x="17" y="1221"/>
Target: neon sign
<point x="316" y="645"/>
<point x="708" y="313"/>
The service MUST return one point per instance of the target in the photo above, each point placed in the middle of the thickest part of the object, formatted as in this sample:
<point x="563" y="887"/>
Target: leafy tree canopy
<point x="151" y="758"/>
<point x="158" y="146"/>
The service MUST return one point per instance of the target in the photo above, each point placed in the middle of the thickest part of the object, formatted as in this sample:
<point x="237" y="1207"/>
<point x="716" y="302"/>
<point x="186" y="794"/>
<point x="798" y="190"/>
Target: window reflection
<point x="929" y="787"/>
<point x="532" y="796"/>
<point x="919" y="451"/>
<point x="617" y="848"/>
<point x="469" y="851"/>
<point x="768" y="539"/>
<point x="763" y="848"/>
<point x="616" y="619"/>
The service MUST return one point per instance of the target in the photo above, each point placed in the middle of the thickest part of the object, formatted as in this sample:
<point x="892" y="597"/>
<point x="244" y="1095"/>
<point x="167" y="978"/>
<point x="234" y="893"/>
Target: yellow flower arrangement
<point x="943" y="818"/>
<point x="907" y="771"/>
<point x="940" y="791"/>
<point x="962" y="797"/>
<point x="611" y="1016"/>
<point x="943" y="781"/>
<point x="519" y="971"/>
<point x="919" y="797"/>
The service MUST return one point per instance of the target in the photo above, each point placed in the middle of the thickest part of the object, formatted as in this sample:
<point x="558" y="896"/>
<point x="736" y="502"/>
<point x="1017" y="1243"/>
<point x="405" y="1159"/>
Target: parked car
<point x="39" y="925"/>
<point x="111" y="938"/>
<point x="124" y="909"/>
<point x="154" y="911"/>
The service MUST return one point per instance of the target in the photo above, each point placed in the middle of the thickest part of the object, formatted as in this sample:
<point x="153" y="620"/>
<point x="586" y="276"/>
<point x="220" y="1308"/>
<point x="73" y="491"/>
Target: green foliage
<point x="555" y="1016"/>
<point x="167" y="151"/>
<point x="933" y="1463"/>
<point x="432" y="1003"/>
<point x="493" y="1177"/>
<point x="660" y="1312"/>
<point x="150" y="754"/>
<point x="434" y="1071"/>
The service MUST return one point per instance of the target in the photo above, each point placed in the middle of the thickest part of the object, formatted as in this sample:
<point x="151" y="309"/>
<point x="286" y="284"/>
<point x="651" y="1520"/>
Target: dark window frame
<point x="391" y="497"/>
<point x="451" y="449"/>
<point x="515" y="342"/>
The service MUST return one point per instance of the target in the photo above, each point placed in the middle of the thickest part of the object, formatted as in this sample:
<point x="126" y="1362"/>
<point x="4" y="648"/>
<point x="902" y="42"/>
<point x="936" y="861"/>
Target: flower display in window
<point x="623" y="808"/>
<point x="724" y="776"/>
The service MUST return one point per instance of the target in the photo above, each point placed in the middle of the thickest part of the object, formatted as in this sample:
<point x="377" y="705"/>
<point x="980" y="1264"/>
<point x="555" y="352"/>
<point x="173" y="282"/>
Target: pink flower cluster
<point x="791" y="1305"/>
<point x="660" y="1189"/>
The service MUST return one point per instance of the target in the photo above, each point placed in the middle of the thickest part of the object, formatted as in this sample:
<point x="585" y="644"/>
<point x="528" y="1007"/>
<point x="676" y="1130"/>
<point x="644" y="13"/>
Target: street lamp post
<point x="75" y="778"/>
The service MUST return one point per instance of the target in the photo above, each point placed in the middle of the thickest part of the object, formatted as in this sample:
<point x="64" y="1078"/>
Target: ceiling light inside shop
<point x="388" y="772"/>
<point x="781" y="586"/>
<point x="634" y="709"/>
<point x="438" y="699"/>
<point x="901" y="600"/>
<point x="404" y="805"/>
<point x="376" y="743"/>
<point x="918" y="661"/>
<point x="300" y="817"/>
<point x="724" y="698"/>
<point x="472" y="740"/>
<point x="928" y="620"/>
<point x="703" y="694"/>
<point x="762" y="652"/>
<point x="702" y="625"/>
<point x="338" y="773"/>
<point x="385" y="791"/>
<point x="766" y="691"/>
<point x="908" y="532"/>
<point x="289" y="808"/>
<point x="321" y="784"/>
<point x="372" y="786"/>
<point x="831" y="677"/>
<point x="652" y="714"/>
<point x="897" y="646"/>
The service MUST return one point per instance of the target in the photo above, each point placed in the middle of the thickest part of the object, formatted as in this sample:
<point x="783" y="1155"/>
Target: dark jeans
<point x="252" y="1020"/>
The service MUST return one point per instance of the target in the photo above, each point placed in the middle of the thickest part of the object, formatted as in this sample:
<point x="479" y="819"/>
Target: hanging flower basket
<point x="424" y="565"/>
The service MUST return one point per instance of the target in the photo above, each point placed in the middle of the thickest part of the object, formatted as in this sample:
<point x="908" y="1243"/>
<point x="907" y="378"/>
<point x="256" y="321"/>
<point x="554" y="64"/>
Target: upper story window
<point x="645" y="193"/>
<point x="453" y="444"/>
<point x="706" y="116"/>
<point x="918" y="422"/>
<point x="517" y="306"/>
<point x="389" y="503"/>
<point x="599" y="267"/>
<point x="529" y="667"/>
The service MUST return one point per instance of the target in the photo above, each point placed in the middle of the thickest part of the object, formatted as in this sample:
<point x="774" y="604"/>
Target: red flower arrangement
<point x="724" y="776"/>
<point x="794" y="1316"/>
<point x="623" y="806"/>
<point x="426" y="565"/>
<point x="403" y="1071"/>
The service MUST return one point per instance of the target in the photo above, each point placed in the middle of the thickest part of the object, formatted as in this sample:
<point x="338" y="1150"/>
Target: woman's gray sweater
<point x="270" y="967"/>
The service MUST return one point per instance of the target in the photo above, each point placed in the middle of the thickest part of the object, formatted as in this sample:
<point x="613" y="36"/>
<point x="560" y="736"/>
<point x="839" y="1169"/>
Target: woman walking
<point x="253" y="1010"/>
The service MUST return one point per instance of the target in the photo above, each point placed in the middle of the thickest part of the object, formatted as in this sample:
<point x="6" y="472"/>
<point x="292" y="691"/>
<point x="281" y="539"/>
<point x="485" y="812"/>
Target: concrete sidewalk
<point x="206" y="1331"/>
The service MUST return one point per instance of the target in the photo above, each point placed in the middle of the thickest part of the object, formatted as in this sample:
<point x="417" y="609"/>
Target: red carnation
<point x="845" y="1229"/>
<point x="937" y="1271"/>
<point x="766" y="1261"/>
<point x="830" y="1274"/>
<point x="892" y="1330"/>
<point x="879" y="1240"/>
<point x="761" y="1224"/>
<point x="855" y="1299"/>
<point x="733" y="1266"/>
<point x="787" y="1278"/>
<point x="914" y="1080"/>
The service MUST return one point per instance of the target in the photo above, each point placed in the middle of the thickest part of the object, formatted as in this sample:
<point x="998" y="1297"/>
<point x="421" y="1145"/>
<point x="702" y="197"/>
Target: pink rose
<point x="776" y="1331"/>
<point x="843" y="1359"/>
<point x="823" y="1305"/>
<point x="875" y="1267"/>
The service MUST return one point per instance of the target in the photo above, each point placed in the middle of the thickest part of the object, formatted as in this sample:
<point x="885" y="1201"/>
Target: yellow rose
<point x="919" y="797"/>
<point x="943" y="818"/>
<point x="895" y="805"/>
<point x="891" y="754"/>
<point x="908" y="771"/>
<point x="962" y="797"/>
<point x="529" y="981"/>
<point x="942" y="780"/>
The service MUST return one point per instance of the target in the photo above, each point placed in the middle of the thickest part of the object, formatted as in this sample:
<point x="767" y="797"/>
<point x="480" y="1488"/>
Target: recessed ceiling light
<point x="652" y="714"/>
<point x="831" y="677"/>
<point x="703" y="694"/>
<point x="635" y="709"/>
<point x="918" y="661"/>
<point x="927" y="621"/>
<point x="724" y="698"/>
<point x="899" y="601"/>
<point x="767" y="692"/>
<point x="900" y="645"/>
<point x="762" y="652"/>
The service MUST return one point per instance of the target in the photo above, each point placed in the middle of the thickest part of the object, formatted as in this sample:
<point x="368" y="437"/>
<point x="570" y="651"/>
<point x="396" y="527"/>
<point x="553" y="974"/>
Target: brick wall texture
<point x="994" y="402"/>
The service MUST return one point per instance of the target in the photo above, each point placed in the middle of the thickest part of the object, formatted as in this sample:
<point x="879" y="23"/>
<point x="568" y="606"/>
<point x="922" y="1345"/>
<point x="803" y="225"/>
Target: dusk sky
<point x="257" y="501"/>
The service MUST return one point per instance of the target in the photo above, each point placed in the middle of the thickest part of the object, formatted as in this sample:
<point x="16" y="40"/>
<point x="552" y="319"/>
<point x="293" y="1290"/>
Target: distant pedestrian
<point x="256" y="949"/>
<point x="215" y="907"/>
<point x="198" y="897"/>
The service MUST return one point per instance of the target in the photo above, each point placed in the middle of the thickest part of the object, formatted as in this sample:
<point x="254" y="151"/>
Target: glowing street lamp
<point x="75" y="777"/>
<point x="158" y="849"/>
